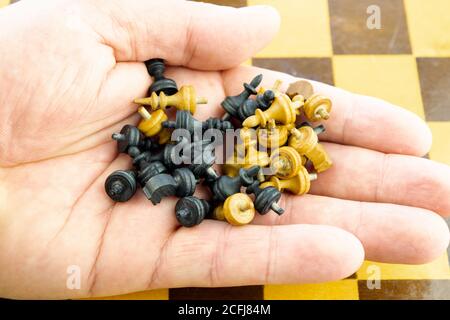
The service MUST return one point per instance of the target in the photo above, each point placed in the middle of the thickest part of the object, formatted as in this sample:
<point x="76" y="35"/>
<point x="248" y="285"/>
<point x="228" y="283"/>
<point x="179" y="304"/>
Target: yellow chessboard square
<point x="391" y="77"/>
<point x="440" y="150"/>
<point x="339" y="290"/>
<point x="438" y="269"/>
<point x="4" y="3"/>
<point x="429" y="27"/>
<point x="304" y="31"/>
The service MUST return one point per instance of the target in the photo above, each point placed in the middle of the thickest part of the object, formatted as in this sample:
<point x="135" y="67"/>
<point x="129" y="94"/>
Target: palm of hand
<point x="58" y="117"/>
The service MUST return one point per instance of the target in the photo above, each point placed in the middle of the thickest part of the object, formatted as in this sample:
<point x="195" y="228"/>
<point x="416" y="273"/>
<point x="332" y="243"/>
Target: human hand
<point x="70" y="71"/>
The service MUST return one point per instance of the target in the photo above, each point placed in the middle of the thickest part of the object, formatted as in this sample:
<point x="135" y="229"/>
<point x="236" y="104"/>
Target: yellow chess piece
<point x="317" y="107"/>
<point x="218" y="213"/>
<point x="151" y="124"/>
<point x="298" y="184"/>
<point x="282" y="110"/>
<point x="273" y="136"/>
<point x="238" y="209"/>
<point x="252" y="156"/>
<point x="286" y="162"/>
<point x="184" y="99"/>
<point x="306" y="142"/>
<point x="246" y="155"/>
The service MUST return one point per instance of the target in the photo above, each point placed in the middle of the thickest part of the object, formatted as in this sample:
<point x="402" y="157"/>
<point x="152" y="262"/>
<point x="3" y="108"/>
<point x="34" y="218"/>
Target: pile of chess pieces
<point x="274" y="153"/>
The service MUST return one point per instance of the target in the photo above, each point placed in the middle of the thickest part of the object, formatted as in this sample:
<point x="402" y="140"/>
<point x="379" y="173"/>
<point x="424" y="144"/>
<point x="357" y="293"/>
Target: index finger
<point x="355" y="119"/>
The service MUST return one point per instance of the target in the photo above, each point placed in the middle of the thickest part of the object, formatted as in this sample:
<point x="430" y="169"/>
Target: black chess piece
<point x="231" y="104"/>
<point x="145" y="167"/>
<point x="247" y="109"/>
<point x="190" y="211"/>
<point x="186" y="182"/>
<point x="265" y="100"/>
<point x="156" y="68"/>
<point x="166" y="155"/>
<point x="226" y="186"/>
<point x="262" y="101"/>
<point x="121" y="185"/>
<point x="265" y="199"/>
<point x="160" y="186"/>
<point x="184" y="120"/>
<point x="152" y="176"/>
<point x="172" y="154"/>
<point x="129" y="136"/>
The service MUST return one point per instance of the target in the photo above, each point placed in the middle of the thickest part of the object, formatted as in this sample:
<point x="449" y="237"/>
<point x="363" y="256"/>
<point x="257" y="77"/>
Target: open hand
<point x="69" y="73"/>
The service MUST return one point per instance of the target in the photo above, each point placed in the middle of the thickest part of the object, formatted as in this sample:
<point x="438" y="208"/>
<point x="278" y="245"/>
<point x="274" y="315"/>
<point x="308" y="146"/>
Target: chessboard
<point x="405" y="60"/>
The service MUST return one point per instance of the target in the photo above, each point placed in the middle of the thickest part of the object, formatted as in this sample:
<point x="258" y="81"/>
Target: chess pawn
<point x="191" y="211"/>
<point x="298" y="184"/>
<point x="265" y="199"/>
<point x="160" y="186"/>
<point x="300" y="87"/>
<point x="285" y="162"/>
<point x="184" y="99"/>
<point x="317" y="108"/>
<point x="256" y="157"/>
<point x="252" y="156"/>
<point x="273" y="136"/>
<point x="156" y="68"/>
<point x="265" y="100"/>
<point x="121" y="185"/>
<point x="231" y="104"/>
<point x="226" y="186"/>
<point x="151" y="124"/>
<point x="251" y="153"/>
<point x="282" y="110"/>
<point x="129" y="136"/>
<point x="238" y="209"/>
<point x="306" y="142"/>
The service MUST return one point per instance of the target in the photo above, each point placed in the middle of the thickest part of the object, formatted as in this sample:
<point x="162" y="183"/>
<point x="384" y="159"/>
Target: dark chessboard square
<point x="226" y="293"/>
<point x="351" y="34"/>
<point x="405" y="290"/>
<point x="319" y="69"/>
<point x="229" y="3"/>
<point x="434" y="78"/>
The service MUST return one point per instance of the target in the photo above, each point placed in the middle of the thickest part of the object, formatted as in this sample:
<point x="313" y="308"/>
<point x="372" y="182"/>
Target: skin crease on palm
<point x="70" y="70"/>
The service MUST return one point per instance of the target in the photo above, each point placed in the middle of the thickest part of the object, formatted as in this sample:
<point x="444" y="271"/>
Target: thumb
<point x="192" y="34"/>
